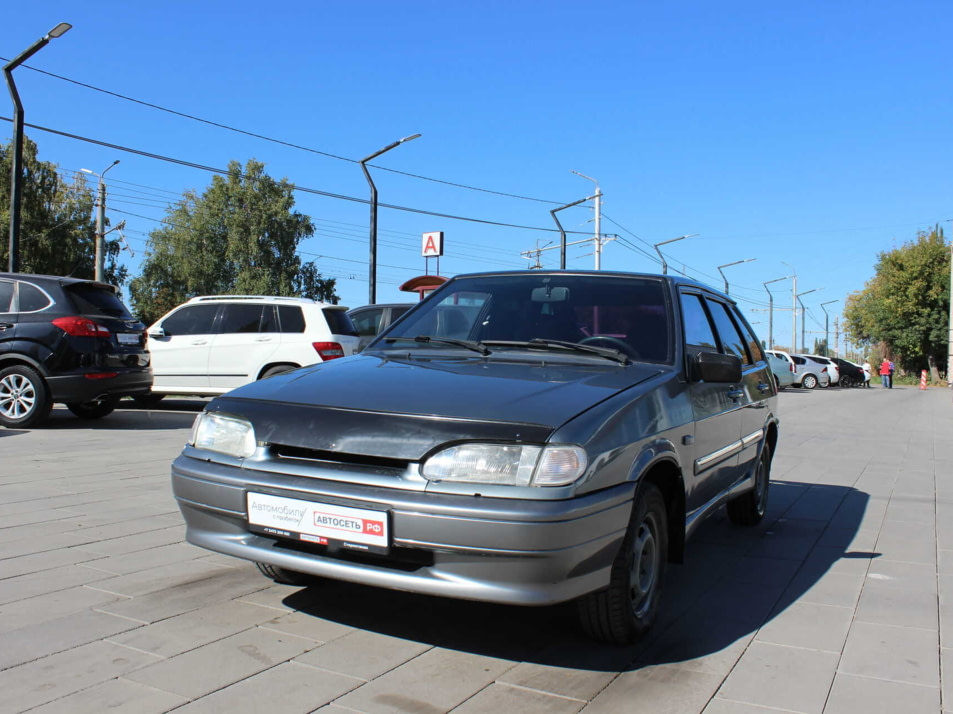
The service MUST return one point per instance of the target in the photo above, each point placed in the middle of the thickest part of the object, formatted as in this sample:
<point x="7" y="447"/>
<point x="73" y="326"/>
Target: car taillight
<point x="791" y="367"/>
<point x="81" y="327"/>
<point x="328" y="350"/>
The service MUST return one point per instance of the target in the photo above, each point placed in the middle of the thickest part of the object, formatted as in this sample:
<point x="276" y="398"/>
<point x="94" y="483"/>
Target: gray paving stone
<point x="502" y="698"/>
<point x="437" y="680"/>
<point x="725" y="706"/>
<point x="288" y="688"/>
<point x="310" y="626"/>
<point x="150" y="580"/>
<point x="781" y="677"/>
<point x="663" y="689"/>
<point x="51" y="636"/>
<point x="214" y="666"/>
<point x="362" y="654"/>
<point x="45" y="680"/>
<point x="52" y="606"/>
<point x="23" y="587"/>
<point x="39" y="562"/>
<point x="571" y="683"/>
<point x="900" y="654"/>
<point x="182" y="633"/>
<point x="116" y="695"/>
<point x="903" y="594"/>
<point x="851" y="695"/>
<point x="810" y="626"/>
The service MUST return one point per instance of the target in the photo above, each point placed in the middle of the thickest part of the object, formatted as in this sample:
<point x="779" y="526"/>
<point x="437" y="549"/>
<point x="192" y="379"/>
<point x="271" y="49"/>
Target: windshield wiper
<point x="539" y="342"/>
<point x="467" y="344"/>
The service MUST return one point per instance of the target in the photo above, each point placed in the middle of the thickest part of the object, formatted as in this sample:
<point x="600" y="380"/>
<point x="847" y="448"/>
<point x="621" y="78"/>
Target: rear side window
<point x="290" y="318"/>
<point x="91" y="299"/>
<point x="32" y="299"/>
<point x="339" y="322"/>
<point x="6" y="295"/>
<point x="192" y="320"/>
<point x="239" y="318"/>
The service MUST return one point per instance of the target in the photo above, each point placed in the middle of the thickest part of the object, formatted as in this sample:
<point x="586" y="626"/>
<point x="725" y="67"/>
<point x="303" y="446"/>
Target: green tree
<point x="906" y="304"/>
<point x="238" y="237"/>
<point x="57" y="224"/>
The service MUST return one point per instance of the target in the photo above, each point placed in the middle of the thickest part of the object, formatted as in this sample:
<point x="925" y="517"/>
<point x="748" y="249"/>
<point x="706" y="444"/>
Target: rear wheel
<point x="24" y="397"/>
<point x="624" y="612"/>
<point x="277" y="369"/>
<point x="284" y="576"/>
<point x="95" y="409"/>
<point x="846" y="381"/>
<point x="809" y="381"/>
<point x="749" y="508"/>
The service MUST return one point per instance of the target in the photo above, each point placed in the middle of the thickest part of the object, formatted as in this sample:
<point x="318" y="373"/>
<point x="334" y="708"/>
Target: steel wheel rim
<point x="17" y="396"/>
<point x="643" y="572"/>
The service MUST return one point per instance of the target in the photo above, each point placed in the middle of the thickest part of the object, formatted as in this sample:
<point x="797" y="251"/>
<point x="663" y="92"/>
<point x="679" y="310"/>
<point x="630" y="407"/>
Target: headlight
<point x="508" y="465"/>
<point x="226" y="435"/>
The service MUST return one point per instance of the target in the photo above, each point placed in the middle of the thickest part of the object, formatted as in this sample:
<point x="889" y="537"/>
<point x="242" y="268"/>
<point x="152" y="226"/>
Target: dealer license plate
<point x="321" y="523"/>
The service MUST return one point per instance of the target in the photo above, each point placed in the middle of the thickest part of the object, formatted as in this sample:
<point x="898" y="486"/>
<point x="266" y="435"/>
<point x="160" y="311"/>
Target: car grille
<point x="397" y="466"/>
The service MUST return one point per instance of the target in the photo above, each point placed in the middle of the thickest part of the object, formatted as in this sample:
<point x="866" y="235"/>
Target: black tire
<point x="277" y="369"/>
<point x="147" y="401"/>
<point x="24" y="398"/>
<point x="94" y="410"/>
<point x="623" y="612"/>
<point x="777" y="384"/>
<point x="846" y="381"/>
<point x="809" y="381"/>
<point x="285" y="576"/>
<point x="749" y="508"/>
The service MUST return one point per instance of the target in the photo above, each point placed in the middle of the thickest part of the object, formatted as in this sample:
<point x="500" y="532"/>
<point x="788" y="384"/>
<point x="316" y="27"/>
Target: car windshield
<point x="627" y="315"/>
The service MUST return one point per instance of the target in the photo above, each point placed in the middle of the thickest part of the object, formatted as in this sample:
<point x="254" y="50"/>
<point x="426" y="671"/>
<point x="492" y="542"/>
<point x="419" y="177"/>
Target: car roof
<point x="60" y="279"/>
<point x="676" y="280"/>
<point x="262" y="298"/>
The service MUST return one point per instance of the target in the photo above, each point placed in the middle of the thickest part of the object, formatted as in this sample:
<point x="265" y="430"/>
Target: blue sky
<point x="812" y="135"/>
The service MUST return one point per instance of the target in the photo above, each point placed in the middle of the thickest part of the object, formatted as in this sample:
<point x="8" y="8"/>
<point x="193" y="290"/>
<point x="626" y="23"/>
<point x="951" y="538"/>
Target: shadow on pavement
<point x="168" y="414"/>
<point x="734" y="580"/>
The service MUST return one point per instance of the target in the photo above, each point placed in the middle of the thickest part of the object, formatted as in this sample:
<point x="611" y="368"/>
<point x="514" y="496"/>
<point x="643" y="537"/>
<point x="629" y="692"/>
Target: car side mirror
<point x="157" y="332"/>
<point x="717" y="367"/>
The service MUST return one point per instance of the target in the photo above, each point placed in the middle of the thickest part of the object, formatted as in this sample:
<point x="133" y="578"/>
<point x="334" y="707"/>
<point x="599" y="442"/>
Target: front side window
<point x="699" y="335"/>
<point x="731" y="339"/>
<point x="191" y="320"/>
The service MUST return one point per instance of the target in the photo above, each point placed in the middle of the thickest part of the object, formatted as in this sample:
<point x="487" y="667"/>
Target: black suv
<point x="66" y="340"/>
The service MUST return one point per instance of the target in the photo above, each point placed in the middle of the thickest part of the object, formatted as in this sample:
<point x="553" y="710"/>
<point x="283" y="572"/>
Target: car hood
<point x="402" y="408"/>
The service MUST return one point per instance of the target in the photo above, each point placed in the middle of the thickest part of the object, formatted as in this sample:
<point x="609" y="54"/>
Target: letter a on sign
<point x="432" y="245"/>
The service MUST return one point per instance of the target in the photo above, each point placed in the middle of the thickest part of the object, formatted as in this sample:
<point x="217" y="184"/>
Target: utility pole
<point x="949" y="355"/>
<point x="597" y="196"/>
<point x="100" y="222"/>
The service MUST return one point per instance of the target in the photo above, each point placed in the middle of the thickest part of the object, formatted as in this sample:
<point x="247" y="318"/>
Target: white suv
<point x="212" y="344"/>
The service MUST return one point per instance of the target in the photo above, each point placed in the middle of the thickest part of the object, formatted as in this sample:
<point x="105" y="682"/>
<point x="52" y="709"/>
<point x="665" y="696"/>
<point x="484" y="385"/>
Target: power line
<point x="279" y="141"/>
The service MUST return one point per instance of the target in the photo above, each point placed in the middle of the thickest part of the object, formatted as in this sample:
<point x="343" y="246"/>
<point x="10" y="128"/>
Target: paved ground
<point x="841" y="602"/>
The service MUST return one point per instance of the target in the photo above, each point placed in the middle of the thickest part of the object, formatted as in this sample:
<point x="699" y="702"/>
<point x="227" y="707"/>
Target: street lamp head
<point x="409" y="138"/>
<point x="59" y="30"/>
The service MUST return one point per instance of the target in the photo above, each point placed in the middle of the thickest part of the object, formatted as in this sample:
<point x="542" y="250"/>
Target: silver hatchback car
<point x="526" y="438"/>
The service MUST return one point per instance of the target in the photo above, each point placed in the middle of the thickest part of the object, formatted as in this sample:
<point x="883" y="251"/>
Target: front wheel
<point x="749" y="508"/>
<point x="95" y="409"/>
<point x="624" y="611"/>
<point x="24" y="398"/>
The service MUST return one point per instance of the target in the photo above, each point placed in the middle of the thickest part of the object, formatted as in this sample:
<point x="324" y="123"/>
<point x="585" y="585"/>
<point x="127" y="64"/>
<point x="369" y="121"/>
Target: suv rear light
<point x="328" y="350"/>
<point x="81" y="327"/>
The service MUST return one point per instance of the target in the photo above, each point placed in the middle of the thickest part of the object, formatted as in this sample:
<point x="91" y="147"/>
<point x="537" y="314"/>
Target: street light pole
<point x="827" y="347"/>
<point x="803" y="314"/>
<point x="598" y="227"/>
<point x="771" y="310"/>
<point x="666" y="242"/>
<point x="16" y="172"/>
<point x="728" y="265"/>
<point x="372" y="267"/>
<point x="101" y="222"/>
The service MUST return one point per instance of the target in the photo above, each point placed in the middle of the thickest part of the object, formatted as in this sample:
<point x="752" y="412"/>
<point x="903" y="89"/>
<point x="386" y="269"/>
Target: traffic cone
<point x="923" y="379"/>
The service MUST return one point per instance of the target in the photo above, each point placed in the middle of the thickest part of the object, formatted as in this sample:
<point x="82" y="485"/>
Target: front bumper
<point x="514" y="551"/>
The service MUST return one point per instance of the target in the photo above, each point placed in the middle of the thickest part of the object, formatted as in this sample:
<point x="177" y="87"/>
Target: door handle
<point x="762" y="387"/>
<point x="200" y="342"/>
<point x="736" y="394"/>
<point x="262" y="339"/>
<point x="5" y="325"/>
